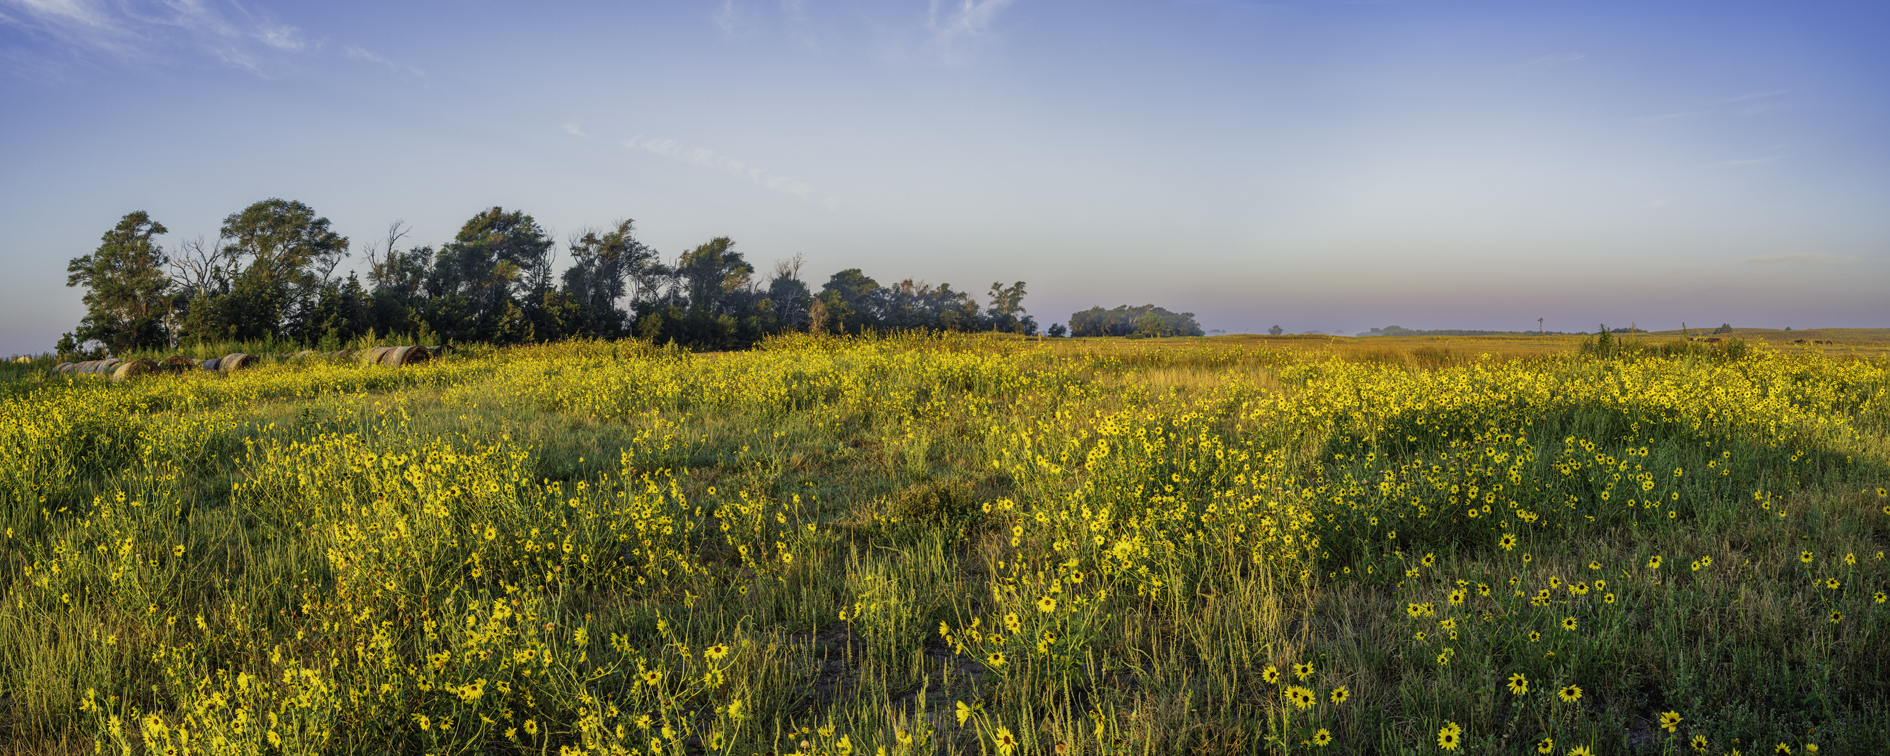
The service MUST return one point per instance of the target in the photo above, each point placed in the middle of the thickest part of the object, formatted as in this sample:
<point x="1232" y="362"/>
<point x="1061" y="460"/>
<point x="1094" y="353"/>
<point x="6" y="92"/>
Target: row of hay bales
<point x="394" y="356"/>
<point x="119" y="370"/>
<point x="116" y="370"/>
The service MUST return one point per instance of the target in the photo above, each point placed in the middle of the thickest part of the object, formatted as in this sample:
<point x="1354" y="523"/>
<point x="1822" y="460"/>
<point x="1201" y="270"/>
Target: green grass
<point x="921" y="482"/>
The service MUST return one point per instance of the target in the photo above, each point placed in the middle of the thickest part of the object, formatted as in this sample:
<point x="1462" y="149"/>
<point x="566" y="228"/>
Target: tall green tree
<point x="850" y="302"/>
<point x="277" y="257"/>
<point x="397" y="283"/>
<point x="126" y="302"/>
<point x="484" y="280"/>
<point x="1007" y="309"/>
<point x="718" y="285"/>
<point x="715" y="277"/>
<point x="343" y="311"/>
<point x="789" y="299"/>
<point x="604" y="268"/>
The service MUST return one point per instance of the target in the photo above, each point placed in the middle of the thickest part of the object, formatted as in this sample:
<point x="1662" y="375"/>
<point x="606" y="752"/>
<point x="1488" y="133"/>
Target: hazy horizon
<point x="1319" y="166"/>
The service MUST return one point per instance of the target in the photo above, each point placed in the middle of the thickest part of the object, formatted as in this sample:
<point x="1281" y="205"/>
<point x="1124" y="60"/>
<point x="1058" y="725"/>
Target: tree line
<point x="1133" y="322"/>
<point x="271" y="272"/>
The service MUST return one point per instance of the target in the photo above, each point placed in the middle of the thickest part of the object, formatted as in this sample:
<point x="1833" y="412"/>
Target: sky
<point x="1321" y="166"/>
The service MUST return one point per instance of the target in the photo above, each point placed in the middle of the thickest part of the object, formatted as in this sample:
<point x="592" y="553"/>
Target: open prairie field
<point x="939" y="545"/>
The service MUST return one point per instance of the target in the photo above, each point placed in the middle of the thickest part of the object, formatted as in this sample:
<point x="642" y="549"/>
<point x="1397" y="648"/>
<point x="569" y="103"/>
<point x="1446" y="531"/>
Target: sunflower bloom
<point x="1006" y="742"/>
<point x="1449" y="737"/>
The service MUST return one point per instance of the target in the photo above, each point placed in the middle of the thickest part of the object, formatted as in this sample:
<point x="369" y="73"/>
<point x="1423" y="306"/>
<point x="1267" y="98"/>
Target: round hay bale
<point x="304" y="354"/>
<point x="128" y="370"/>
<point x="97" y="367"/>
<point x="234" y="362"/>
<point x="340" y="354"/>
<point x="211" y="364"/>
<point x="176" y="363"/>
<point x="402" y="356"/>
<point x="63" y="367"/>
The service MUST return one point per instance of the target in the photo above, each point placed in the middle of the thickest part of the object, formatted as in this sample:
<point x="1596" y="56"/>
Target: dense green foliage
<point x="271" y="274"/>
<point x="125" y="288"/>
<point x="1147" y="320"/>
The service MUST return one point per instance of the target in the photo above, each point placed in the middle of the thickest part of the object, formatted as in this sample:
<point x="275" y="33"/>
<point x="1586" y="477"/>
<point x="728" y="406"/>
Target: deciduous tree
<point x="478" y="277"/>
<point x="126" y="302"/>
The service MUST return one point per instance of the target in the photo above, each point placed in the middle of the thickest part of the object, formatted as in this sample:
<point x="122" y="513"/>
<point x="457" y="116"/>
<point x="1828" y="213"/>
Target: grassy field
<point x="959" y="545"/>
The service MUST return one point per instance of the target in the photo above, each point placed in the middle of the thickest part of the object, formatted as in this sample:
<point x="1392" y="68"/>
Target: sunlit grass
<point x="953" y="544"/>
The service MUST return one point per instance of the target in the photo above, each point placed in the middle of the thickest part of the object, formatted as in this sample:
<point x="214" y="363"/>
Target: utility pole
<point x="1539" y="330"/>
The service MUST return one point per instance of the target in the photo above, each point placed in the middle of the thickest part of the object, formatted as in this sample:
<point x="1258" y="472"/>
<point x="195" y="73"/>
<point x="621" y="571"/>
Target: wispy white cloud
<point x="742" y="19"/>
<point x="1659" y="203"/>
<point x="956" y="26"/>
<point x="281" y="37"/>
<point x="733" y="18"/>
<point x="83" y="24"/>
<point x="81" y="12"/>
<point x="707" y="158"/>
<point x="145" y="31"/>
<point x="1799" y="258"/>
<point x="575" y="128"/>
<point x="356" y="52"/>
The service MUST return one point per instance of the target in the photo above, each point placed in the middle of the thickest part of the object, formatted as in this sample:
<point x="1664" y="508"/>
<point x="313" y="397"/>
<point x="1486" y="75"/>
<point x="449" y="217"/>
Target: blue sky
<point x="1321" y="166"/>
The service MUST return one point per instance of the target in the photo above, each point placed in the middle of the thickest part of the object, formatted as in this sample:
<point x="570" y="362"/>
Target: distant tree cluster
<point x="271" y="272"/>
<point x="1144" y="321"/>
<point x="852" y="303"/>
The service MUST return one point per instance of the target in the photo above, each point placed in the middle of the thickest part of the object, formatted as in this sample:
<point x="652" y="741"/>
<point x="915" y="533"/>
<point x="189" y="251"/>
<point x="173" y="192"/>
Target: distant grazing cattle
<point x="1798" y="341"/>
<point x="1714" y="340"/>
